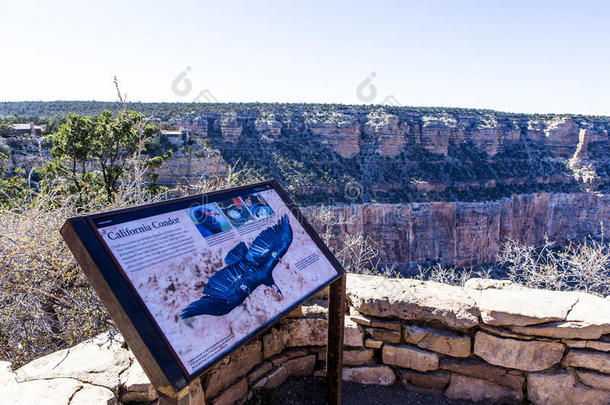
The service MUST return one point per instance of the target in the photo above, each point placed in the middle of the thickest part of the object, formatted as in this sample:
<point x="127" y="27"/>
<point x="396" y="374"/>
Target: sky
<point x="518" y="56"/>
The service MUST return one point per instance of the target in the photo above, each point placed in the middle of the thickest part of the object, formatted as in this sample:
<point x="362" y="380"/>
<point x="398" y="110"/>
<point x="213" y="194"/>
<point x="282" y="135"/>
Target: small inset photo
<point x="258" y="206"/>
<point x="209" y="219"/>
<point x="236" y="211"/>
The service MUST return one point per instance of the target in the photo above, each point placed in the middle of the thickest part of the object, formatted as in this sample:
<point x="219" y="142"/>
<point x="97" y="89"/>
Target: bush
<point x="450" y="275"/>
<point x="358" y="253"/>
<point x="46" y="302"/>
<point x="579" y="266"/>
<point x="4" y="150"/>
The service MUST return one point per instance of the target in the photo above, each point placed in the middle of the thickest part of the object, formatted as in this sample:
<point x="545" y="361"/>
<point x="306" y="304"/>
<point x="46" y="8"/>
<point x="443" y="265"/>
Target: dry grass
<point x="46" y="302"/>
<point x="579" y="266"/>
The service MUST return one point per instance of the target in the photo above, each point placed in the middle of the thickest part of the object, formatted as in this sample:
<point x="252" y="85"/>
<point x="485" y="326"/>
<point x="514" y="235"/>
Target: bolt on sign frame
<point x="171" y="275"/>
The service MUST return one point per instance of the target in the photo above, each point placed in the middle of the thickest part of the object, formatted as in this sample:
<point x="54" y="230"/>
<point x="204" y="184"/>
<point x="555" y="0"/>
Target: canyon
<point x="429" y="184"/>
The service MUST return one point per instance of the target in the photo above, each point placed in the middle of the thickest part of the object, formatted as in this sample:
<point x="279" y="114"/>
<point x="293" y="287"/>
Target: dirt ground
<point x="311" y="390"/>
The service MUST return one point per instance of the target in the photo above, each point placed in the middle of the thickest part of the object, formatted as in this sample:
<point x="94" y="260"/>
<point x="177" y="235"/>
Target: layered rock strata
<point x="393" y="153"/>
<point x="471" y="233"/>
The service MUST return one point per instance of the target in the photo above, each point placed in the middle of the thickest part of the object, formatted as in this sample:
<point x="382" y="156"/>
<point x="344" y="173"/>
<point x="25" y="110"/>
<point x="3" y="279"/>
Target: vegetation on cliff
<point x="169" y="110"/>
<point x="337" y="153"/>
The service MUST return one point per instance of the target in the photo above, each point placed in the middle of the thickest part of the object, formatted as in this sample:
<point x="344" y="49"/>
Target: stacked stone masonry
<point x="491" y="341"/>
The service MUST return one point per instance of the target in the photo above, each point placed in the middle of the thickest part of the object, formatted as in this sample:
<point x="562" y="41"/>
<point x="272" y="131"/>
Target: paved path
<point x="310" y="391"/>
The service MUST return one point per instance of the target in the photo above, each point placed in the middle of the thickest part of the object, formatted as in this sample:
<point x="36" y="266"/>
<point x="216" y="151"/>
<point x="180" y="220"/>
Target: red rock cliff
<point x="472" y="233"/>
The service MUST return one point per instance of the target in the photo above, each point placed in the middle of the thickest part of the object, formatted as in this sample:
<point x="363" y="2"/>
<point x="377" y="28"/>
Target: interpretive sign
<point x="189" y="280"/>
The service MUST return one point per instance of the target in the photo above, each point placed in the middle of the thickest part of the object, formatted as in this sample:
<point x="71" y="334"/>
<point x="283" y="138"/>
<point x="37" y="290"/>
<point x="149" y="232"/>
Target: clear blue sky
<point x="524" y="56"/>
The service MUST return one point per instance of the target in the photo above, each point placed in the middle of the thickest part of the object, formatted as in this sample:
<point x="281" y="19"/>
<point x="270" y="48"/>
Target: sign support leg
<point x="334" y="351"/>
<point x="191" y="395"/>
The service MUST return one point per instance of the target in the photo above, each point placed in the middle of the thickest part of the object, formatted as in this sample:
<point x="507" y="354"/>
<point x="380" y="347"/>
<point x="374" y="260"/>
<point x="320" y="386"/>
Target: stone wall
<point x="491" y="341"/>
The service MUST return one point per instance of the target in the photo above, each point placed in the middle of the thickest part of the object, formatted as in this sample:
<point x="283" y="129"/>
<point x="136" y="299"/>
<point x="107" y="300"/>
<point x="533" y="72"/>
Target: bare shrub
<point x="450" y="274"/>
<point x="358" y="253"/>
<point x="205" y="184"/>
<point x="579" y="266"/>
<point x="46" y="302"/>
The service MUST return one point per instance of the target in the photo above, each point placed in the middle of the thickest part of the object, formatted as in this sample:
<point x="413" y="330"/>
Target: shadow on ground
<point x="311" y="390"/>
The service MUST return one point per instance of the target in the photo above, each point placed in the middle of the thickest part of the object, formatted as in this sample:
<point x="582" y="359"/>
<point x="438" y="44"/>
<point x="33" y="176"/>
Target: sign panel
<point x="210" y="272"/>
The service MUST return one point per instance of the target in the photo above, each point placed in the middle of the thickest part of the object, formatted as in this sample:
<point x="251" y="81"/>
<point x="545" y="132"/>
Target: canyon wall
<point x="387" y="154"/>
<point x="394" y="154"/>
<point x="185" y="169"/>
<point x="471" y="233"/>
<point x="489" y="341"/>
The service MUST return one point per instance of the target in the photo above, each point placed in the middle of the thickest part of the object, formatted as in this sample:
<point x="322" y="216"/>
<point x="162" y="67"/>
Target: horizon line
<point x="220" y="103"/>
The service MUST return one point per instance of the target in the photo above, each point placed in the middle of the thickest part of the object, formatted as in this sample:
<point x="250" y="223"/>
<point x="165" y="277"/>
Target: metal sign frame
<point x="140" y="330"/>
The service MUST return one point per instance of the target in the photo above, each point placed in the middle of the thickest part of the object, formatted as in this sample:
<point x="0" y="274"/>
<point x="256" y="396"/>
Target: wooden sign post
<point x="190" y="280"/>
<point x="191" y="395"/>
<point x="334" y="351"/>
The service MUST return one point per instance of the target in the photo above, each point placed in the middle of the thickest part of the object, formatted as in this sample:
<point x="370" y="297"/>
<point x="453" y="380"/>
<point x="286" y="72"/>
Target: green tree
<point x="53" y="124"/>
<point x="95" y="153"/>
<point x="12" y="185"/>
<point x="5" y="129"/>
<point x="71" y="151"/>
